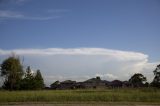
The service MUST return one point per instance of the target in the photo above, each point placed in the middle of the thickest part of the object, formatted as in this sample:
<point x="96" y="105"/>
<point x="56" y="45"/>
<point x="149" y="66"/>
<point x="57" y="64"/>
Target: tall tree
<point x="28" y="81"/>
<point x="39" y="80"/>
<point x="156" y="80"/>
<point x="12" y="71"/>
<point x="137" y="80"/>
<point x="28" y="74"/>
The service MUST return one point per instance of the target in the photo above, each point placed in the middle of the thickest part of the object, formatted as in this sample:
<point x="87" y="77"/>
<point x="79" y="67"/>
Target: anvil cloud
<point x="83" y="63"/>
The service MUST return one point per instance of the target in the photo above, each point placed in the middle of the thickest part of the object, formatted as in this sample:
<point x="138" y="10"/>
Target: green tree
<point x="98" y="78"/>
<point x="55" y="85"/>
<point x="39" y="83"/>
<point x="156" y="80"/>
<point x="29" y="74"/>
<point x="12" y="71"/>
<point x="137" y="80"/>
<point x="28" y="82"/>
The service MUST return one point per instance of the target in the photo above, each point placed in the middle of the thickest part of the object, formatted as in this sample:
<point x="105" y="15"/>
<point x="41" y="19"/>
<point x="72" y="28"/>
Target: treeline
<point x="18" y="78"/>
<point x="137" y="80"/>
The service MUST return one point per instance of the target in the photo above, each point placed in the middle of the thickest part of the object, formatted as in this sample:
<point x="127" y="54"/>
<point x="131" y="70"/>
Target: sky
<point x="80" y="39"/>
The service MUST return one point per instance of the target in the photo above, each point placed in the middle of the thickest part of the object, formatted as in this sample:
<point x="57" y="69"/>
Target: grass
<point x="149" y="95"/>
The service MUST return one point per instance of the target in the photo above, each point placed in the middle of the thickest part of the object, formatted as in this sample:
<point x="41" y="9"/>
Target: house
<point x="68" y="84"/>
<point x="126" y="84"/>
<point x="93" y="83"/>
<point x="116" y="84"/>
<point x="90" y="83"/>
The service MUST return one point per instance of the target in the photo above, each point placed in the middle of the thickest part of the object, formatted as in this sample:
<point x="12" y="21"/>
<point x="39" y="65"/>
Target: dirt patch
<point x="80" y="104"/>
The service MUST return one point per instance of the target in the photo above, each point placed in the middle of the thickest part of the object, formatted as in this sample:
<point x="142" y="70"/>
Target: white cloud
<point x="107" y="76"/>
<point x="14" y="1"/>
<point x="10" y="14"/>
<point x="76" y="63"/>
<point x="53" y="78"/>
<point x="6" y="14"/>
<point x="117" y="54"/>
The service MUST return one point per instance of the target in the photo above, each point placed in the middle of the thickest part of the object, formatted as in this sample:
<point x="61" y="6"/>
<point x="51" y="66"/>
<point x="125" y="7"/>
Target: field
<point x="143" y="95"/>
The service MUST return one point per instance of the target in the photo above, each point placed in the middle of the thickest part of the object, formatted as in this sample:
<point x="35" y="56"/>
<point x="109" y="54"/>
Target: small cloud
<point x="19" y="1"/>
<point x="14" y="1"/>
<point x="107" y="76"/>
<point x="6" y="14"/>
<point x="110" y="76"/>
<point x="10" y="14"/>
<point x="41" y="18"/>
<point x="58" y="10"/>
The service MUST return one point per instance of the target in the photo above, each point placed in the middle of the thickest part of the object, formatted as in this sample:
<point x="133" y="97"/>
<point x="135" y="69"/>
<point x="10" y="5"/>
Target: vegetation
<point x="28" y="81"/>
<point x="16" y="79"/>
<point x="32" y="81"/>
<point x="149" y="95"/>
<point x="137" y="80"/>
<point x="39" y="83"/>
<point x="11" y="69"/>
<point x="55" y="85"/>
<point x="156" y="80"/>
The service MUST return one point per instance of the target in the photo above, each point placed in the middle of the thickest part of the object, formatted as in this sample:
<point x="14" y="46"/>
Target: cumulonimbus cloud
<point x="121" y="55"/>
<point x="76" y="63"/>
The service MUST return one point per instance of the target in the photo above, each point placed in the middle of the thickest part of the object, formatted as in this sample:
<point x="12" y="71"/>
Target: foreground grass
<point x="65" y="96"/>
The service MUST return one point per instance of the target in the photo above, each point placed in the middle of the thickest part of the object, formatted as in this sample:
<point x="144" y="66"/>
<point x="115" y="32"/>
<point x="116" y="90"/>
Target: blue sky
<point x="125" y="25"/>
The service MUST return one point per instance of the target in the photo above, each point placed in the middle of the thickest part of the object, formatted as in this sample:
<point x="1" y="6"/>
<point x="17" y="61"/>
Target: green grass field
<point x="65" y="96"/>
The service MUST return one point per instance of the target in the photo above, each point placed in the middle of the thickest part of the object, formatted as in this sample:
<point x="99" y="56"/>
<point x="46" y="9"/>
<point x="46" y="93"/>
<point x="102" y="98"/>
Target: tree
<point x="156" y="80"/>
<point x="29" y="74"/>
<point x="39" y="83"/>
<point x="12" y="71"/>
<point x="28" y="82"/>
<point x="98" y="78"/>
<point x="137" y="80"/>
<point x="31" y="80"/>
<point x="55" y="85"/>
